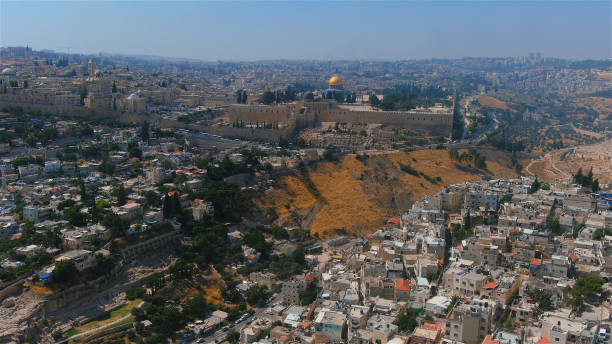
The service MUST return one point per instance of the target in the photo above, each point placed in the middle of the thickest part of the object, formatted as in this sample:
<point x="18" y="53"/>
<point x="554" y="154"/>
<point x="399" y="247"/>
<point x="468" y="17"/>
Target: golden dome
<point x="335" y="81"/>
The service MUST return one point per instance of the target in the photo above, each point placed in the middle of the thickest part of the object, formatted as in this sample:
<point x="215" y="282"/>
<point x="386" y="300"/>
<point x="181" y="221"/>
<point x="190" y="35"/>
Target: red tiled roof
<point x="402" y="285"/>
<point x="16" y="236"/>
<point x="573" y="257"/>
<point x="430" y="326"/>
<point x="490" y="285"/>
<point x="513" y="230"/>
<point x="394" y="220"/>
<point x="536" y="261"/>
<point x="543" y="340"/>
<point x="488" y="340"/>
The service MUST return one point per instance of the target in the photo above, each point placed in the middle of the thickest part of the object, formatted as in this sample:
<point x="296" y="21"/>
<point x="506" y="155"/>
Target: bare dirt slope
<point x="491" y="102"/>
<point x="563" y="163"/>
<point x="359" y="195"/>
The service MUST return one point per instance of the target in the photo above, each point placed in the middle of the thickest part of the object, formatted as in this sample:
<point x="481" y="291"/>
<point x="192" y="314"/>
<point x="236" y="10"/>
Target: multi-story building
<point x="382" y="328"/>
<point x="36" y="214"/>
<point x="481" y="251"/>
<point x="331" y="324"/>
<point x="358" y="316"/>
<point x="461" y="281"/>
<point x="202" y="209"/>
<point x="129" y="212"/>
<point x="470" y="322"/>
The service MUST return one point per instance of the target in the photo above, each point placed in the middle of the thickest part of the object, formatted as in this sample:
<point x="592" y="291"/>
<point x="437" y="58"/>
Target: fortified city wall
<point x="306" y="114"/>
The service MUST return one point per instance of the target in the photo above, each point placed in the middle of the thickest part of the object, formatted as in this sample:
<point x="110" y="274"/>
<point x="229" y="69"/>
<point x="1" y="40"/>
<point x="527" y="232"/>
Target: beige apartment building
<point x="470" y="321"/>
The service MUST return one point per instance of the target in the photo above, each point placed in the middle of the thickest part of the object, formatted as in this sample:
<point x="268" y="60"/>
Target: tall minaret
<point x="91" y="68"/>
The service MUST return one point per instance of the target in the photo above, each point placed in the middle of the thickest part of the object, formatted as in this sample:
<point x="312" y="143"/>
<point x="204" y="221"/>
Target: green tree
<point x="407" y="321"/>
<point x="535" y="186"/>
<point x="196" y="307"/>
<point x="554" y="226"/>
<point x="107" y="167"/>
<point x="65" y="272"/>
<point x="374" y="101"/>
<point x="75" y="216"/>
<point x="121" y="195"/>
<point x="268" y="97"/>
<point x="310" y="294"/>
<point x="167" y="207"/>
<point x="135" y="293"/>
<point x="115" y="224"/>
<point x="586" y="286"/>
<point x="144" y="131"/>
<point x="103" y="265"/>
<point x="232" y="336"/>
<point x="256" y="294"/>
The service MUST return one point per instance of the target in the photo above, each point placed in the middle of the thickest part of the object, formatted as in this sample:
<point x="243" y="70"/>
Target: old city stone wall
<point x="306" y="114"/>
<point x="77" y="111"/>
<point x="260" y="113"/>
<point x="432" y="123"/>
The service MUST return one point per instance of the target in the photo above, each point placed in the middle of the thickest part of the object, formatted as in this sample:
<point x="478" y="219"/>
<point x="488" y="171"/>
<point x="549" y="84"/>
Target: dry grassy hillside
<point x="491" y="102"/>
<point x="359" y="195"/>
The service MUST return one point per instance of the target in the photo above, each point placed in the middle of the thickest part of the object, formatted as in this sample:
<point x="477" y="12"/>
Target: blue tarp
<point x="45" y="276"/>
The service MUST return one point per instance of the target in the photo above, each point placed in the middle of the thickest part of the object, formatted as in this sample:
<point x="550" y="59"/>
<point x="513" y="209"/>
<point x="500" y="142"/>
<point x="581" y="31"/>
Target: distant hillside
<point x="358" y="194"/>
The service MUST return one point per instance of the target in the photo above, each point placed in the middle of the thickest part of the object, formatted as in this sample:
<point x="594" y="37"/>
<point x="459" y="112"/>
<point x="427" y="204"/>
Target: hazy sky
<point x="249" y="30"/>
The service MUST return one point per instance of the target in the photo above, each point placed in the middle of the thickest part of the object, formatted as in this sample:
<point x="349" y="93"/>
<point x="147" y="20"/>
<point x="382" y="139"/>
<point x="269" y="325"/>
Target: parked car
<point x="603" y="335"/>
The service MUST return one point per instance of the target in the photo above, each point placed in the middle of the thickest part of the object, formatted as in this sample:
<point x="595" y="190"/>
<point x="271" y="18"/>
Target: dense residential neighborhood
<point x="146" y="201"/>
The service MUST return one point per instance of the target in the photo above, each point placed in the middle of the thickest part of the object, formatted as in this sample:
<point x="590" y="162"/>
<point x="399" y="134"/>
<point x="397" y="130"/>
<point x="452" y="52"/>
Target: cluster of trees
<point x="166" y="320"/>
<point x="66" y="274"/>
<point x="538" y="185"/>
<point x="460" y="233"/>
<point x="406" y="97"/>
<point x="107" y="167"/>
<point x="310" y="294"/>
<point x="554" y="226"/>
<point x="283" y="266"/>
<point x="310" y="185"/>
<point x="134" y="150"/>
<point x="586" y="181"/>
<point x="289" y="94"/>
<point x="340" y="96"/>
<point x="412" y="171"/>
<point x="472" y="155"/>
<point x="241" y="97"/>
<point x="407" y="321"/>
<point x="44" y="136"/>
<point x="543" y="298"/>
<point x="144" y="131"/>
<point x="586" y="287"/>
<point x="257" y="295"/>
<point x="25" y="160"/>
<point x="171" y="206"/>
